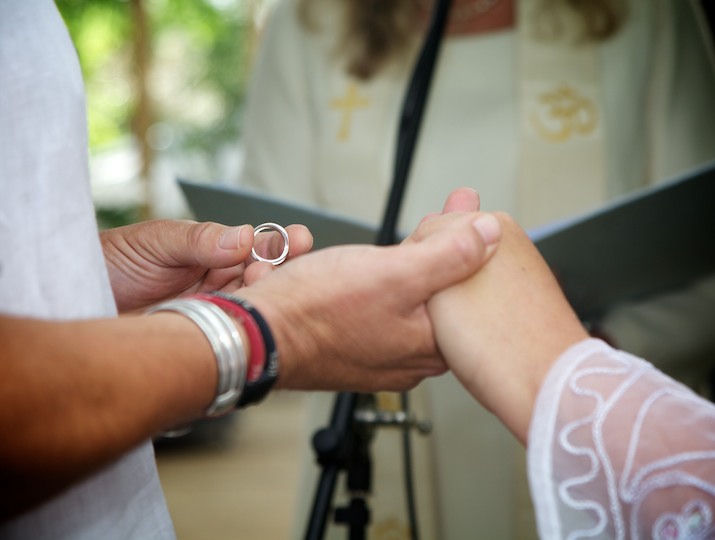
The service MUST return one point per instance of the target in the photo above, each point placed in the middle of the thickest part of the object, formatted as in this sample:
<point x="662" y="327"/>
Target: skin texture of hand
<point x="501" y="329"/>
<point x="354" y="317"/>
<point x="160" y="259"/>
<point x="459" y="202"/>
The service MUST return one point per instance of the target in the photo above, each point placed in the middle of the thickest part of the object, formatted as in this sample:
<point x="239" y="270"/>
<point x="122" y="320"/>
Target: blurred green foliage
<point x="195" y="83"/>
<point x="108" y="218"/>
<point x="101" y="31"/>
<point x="200" y="54"/>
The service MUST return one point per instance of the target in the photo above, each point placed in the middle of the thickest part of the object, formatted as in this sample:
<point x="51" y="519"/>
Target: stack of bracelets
<point x="242" y="381"/>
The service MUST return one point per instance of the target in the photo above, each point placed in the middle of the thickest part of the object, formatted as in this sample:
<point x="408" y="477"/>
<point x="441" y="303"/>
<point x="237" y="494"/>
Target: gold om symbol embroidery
<point x="564" y="113"/>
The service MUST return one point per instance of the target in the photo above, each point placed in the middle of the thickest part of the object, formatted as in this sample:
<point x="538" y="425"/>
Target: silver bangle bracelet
<point x="227" y="346"/>
<point x="231" y="363"/>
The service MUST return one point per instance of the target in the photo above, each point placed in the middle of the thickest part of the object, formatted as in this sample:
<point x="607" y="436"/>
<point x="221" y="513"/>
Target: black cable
<point x="407" y="471"/>
<point x="408" y="131"/>
<point x="330" y="442"/>
<point x="413" y="108"/>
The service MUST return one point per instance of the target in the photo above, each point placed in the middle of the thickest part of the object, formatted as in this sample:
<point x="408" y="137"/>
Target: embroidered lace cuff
<point x="619" y="450"/>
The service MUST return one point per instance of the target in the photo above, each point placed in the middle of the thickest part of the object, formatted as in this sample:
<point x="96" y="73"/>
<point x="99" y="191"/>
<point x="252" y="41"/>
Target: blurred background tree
<point x="165" y="84"/>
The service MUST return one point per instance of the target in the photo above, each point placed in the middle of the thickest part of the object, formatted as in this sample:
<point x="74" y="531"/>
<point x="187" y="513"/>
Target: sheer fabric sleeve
<point x="619" y="450"/>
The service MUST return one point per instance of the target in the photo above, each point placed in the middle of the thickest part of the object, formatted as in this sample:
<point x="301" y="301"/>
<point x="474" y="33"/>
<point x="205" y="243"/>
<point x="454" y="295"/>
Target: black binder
<point x="640" y="245"/>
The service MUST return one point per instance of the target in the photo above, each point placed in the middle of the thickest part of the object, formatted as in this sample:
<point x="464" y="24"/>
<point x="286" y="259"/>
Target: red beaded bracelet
<point x="254" y="392"/>
<point x="257" y="360"/>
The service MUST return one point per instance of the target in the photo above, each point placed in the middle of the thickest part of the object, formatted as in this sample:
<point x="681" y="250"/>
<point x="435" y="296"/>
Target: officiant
<point x="547" y="111"/>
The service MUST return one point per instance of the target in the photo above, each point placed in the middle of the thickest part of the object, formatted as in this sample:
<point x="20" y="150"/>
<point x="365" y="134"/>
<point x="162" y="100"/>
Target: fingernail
<point x="488" y="228"/>
<point x="231" y="238"/>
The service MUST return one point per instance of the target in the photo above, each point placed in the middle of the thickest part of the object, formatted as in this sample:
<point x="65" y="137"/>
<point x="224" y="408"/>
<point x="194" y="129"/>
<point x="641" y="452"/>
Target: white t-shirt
<point x="51" y="263"/>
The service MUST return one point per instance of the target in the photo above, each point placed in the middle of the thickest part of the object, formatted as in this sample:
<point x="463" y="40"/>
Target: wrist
<point x="263" y="362"/>
<point x="541" y="354"/>
<point x="289" y="343"/>
<point x="227" y="344"/>
<point x="187" y="369"/>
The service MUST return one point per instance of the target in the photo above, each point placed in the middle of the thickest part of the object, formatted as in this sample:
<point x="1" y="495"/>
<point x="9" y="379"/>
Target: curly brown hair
<point x="375" y="32"/>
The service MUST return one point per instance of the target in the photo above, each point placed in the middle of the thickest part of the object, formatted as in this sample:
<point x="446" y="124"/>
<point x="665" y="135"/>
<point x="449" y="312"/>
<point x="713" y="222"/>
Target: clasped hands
<point x="465" y="290"/>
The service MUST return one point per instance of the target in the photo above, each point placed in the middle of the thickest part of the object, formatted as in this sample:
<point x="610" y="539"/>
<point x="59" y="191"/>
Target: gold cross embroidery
<point x="564" y="113"/>
<point x="347" y="105"/>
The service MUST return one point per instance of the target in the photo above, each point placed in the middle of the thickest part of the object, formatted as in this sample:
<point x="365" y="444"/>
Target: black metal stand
<point x="356" y="515"/>
<point x="339" y="446"/>
<point x="344" y="444"/>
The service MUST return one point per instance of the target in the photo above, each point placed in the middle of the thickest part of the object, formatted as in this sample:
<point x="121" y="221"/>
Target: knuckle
<point x="201" y="233"/>
<point x="505" y="219"/>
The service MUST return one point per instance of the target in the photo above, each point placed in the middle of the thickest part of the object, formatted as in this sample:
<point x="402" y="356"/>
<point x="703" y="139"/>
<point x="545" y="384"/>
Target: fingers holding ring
<point x="284" y="234"/>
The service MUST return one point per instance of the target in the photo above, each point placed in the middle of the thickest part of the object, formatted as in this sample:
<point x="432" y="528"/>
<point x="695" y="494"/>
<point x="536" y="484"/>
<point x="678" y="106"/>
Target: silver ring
<point x="272" y="227"/>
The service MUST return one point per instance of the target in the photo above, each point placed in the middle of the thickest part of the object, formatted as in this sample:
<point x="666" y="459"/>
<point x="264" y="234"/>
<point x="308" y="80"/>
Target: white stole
<point x="562" y="163"/>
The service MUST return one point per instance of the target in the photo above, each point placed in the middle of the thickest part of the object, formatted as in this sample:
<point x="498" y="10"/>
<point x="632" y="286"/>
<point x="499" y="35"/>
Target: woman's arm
<point x="616" y="448"/>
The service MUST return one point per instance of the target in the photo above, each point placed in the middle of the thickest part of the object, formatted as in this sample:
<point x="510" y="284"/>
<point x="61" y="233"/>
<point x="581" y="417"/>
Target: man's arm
<point x="77" y="395"/>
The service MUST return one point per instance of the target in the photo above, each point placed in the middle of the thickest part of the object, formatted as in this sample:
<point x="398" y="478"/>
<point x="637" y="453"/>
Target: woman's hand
<point x="159" y="259"/>
<point x="501" y="329"/>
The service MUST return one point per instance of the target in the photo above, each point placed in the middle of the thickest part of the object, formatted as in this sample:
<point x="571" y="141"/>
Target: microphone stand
<point x="344" y="444"/>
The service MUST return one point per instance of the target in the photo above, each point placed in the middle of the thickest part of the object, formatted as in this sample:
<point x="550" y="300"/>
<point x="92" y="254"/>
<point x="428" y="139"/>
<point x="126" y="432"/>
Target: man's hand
<point x="160" y="259"/>
<point x="354" y="317"/>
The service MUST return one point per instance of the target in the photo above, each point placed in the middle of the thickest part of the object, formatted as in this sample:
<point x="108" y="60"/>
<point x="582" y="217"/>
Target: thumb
<point x="462" y="200"/>
<point x="455" y="252"/>
<point x="209" y="245"/>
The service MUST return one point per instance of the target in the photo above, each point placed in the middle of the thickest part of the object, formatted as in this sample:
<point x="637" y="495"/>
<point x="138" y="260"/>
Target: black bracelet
<point x="254" y="392"/>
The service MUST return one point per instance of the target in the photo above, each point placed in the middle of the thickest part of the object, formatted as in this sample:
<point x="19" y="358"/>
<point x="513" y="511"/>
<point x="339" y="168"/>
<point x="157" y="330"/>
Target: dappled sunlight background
<point x="165" y="85"/>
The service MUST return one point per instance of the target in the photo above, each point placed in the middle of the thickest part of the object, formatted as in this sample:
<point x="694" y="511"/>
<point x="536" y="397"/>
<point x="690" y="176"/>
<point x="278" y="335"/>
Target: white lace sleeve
<point x="619" y="450"/>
